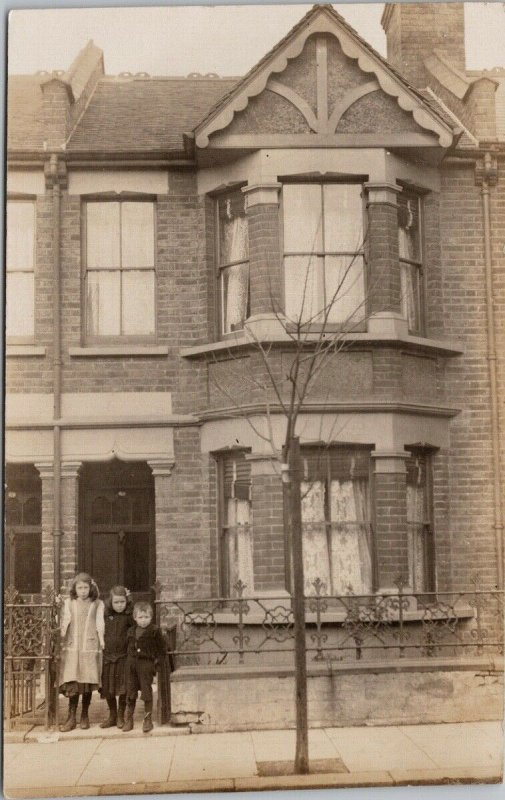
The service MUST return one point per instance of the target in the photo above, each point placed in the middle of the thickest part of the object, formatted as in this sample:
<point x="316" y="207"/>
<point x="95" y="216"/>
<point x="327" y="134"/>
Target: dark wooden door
<point x="119" y="539"/>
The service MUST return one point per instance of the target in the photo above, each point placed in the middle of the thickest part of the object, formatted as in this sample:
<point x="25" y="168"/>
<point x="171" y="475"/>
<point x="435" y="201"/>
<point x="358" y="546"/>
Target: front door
<point x="119" y="534"/>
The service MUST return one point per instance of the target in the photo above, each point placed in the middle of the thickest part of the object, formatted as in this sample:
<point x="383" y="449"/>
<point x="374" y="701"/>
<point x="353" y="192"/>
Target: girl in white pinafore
<point x="82" y="633"/>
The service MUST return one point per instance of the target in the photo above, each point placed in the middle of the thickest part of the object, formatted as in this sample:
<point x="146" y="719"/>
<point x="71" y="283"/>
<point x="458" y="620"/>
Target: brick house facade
<point x="155" y="230"/>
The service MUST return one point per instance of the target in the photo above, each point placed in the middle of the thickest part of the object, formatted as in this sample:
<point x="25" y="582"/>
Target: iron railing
<point x="30" y="654"/>
<point x="396" y="624"/>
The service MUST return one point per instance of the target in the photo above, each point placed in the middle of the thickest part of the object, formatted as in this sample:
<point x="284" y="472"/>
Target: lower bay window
<point x="236" y="522"/>
<point x="419" y="521"/>
<point x="336" y="519"/>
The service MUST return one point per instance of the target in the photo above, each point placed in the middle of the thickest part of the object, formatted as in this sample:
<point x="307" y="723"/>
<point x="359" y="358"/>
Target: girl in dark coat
<point x="118" y="619"/>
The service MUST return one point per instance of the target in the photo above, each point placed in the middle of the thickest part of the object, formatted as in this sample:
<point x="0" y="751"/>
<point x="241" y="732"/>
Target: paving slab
<point x="452" y="775"/>
<point x="328" y="781"/>
<point x="225" y="755"/>
<point x="47" y="765"/>
<point x="56" y="791"/>
<point x="453" y="745"/>
<point x="280" y="745"/>
<point x="131" y="761"/>
<point x="364" y="749"/>
<point x="94" y="732"/>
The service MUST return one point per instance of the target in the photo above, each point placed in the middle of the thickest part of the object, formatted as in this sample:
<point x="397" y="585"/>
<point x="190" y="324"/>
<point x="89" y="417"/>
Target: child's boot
<point x="121" y="710"/>
<point x="128" y="720"/>
<point x="86" y="700"/>
<point x="147" y="725"/>
<point x="70" y="723"/>
<point x="111" y="720"/>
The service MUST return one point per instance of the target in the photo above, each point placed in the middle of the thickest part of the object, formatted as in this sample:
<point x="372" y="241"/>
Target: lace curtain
<point x="239" y="544"/>
<point x="339" y="553"/>
<point x="416" y="536"/>
<point x="234" y="247"/>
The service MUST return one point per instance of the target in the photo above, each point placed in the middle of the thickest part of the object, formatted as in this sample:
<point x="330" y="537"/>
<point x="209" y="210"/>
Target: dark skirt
<point x="113" y="678"/>
<point x="71" y="688"/>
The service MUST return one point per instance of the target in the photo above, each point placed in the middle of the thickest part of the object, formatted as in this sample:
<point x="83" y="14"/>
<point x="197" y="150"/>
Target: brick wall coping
<point x="492" y="664"/>
<point x="447" y="348"/>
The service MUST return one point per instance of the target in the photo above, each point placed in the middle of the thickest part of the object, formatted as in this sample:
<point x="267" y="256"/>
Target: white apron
<point x="82" y="632"/>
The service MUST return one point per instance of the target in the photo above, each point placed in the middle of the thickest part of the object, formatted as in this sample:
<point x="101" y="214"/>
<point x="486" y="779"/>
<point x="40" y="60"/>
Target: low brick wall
<point x="386" y="693"/>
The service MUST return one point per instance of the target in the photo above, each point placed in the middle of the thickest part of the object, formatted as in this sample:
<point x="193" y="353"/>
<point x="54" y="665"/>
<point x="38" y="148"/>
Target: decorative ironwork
<point x="393" y="624"/>
<point x="31" y="651"/>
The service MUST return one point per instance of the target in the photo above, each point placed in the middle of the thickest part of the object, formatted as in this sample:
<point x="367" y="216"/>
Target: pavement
<point x="178" y="759"/>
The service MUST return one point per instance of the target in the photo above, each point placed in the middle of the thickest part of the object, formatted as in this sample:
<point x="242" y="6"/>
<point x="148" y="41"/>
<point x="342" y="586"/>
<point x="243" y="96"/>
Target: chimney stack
<point x="414" y="30"/>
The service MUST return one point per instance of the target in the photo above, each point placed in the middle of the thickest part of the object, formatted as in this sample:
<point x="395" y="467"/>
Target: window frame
<point x="220" y="268"/>
<point x="117" y="339"/>
<point x="24" y="489"/>
<point x="222" y="553"/>
<point x="347" y="448"/>
<point x="419" y="265"/>
<point x="426" y="453"/>
<point x="32" y="199"/>
<point x="362" y="252"/>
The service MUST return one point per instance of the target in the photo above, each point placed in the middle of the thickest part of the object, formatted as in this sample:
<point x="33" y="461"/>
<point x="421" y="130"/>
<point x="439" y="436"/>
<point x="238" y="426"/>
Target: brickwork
<point x="182" y="520"/>
<point x="47" y="529"/>
<point x="390" y="541"/>
<point x="384" y="290"/>
<point x="69" y="525"/>
<point x="482" y="109"/>
<point x="268" y="544"/>
<point x="387" y="373"/>
<point x="470" y="452"/>
<point x="264" y="259"/>
<point x="414" y="30"/>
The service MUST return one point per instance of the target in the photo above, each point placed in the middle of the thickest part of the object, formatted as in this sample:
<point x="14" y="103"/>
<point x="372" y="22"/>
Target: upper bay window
<point x="120" y="270"/>
<point x="323" y="254"/>
<point x="20" y="283"/>
<point x="410" y="251"/>
<point x="233" y="261"/>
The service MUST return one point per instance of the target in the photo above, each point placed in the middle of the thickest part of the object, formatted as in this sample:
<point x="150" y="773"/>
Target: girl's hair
<point x="119" y="591"/>
<point x="83" y="577"/>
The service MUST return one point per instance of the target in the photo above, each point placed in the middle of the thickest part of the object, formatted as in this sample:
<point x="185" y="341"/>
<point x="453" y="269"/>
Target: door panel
<point x="105" y="561"/>
<point x="136" y="561"/>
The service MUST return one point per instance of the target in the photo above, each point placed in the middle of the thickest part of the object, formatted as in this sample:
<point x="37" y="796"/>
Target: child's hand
<point x="102" y="644"/>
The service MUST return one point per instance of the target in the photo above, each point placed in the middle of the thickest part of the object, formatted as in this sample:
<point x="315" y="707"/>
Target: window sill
<point x="24" y="350"/>
<point x="118" y="351"/>
<point x="443" y="347"/>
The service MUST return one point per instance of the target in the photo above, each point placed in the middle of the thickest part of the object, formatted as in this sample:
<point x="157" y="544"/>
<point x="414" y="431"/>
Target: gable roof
<point x="324" y="19"/>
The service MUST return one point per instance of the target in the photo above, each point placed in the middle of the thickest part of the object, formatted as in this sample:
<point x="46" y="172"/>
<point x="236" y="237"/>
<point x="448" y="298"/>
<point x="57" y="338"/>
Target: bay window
<point x="410" y="251"/>
<point x="120" y="270"/>
<point x="233" y="261"/>
<point x="236" y="518"/>
<point x="336" y="519"/>
<point x="419" y="521"/>
<point x="323" y="254"/>
<point x="20" y="262"/>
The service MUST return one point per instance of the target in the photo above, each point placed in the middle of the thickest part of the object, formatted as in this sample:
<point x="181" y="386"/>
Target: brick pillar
<point x="390" y="539"/>
<point x="268" y="526"/>
<point x="262" y="207"/>
<point x="69" y="559"/>
<point x="383" y="285"/>
<point x="162" y="471"/>
<point x="46" y="477"/>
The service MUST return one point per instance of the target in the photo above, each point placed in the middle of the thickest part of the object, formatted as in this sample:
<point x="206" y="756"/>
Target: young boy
<point x="145" y="646"/>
